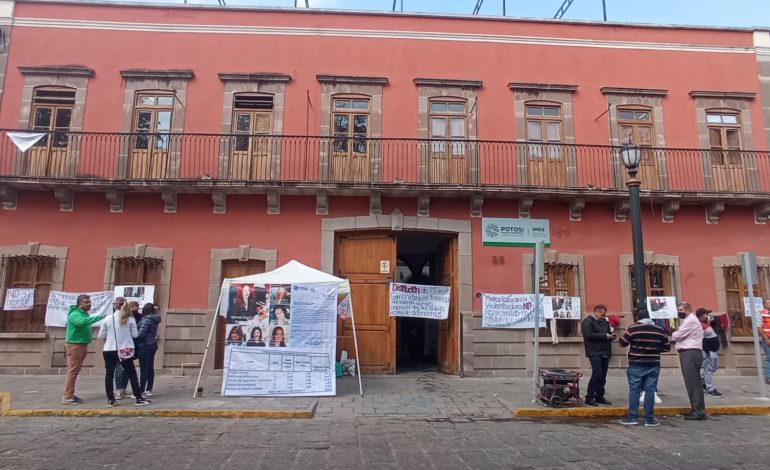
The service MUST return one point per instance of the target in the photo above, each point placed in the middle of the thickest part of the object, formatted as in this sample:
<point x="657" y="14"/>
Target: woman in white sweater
<point x="118" y="331"/>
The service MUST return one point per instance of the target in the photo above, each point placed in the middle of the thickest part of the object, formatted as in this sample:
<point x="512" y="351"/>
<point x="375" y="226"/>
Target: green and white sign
<point x="514" y="232"/>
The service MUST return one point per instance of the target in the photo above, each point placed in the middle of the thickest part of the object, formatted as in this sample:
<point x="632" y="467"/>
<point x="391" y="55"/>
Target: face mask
<point x="682" y="315"/>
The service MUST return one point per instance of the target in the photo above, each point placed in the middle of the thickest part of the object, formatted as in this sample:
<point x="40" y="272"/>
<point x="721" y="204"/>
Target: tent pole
<point x="355" y="344"/>
<point x="208" y="343"/>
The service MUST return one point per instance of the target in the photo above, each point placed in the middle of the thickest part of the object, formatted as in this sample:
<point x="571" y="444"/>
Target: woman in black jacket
<point x="146" y="347"/>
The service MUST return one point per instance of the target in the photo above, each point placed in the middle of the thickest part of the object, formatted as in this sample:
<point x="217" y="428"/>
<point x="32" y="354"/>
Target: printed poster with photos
<point x="661" y="308"/>
<point x="562" y="308"/>
<point x="281" y="340"/>
<point x="141" y="294"/>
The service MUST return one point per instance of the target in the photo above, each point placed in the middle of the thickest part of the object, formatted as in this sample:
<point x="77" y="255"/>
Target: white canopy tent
<point x="292" y="272"/>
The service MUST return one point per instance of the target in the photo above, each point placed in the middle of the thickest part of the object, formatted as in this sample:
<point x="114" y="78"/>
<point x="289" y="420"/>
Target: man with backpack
<point x="710" y="356"/>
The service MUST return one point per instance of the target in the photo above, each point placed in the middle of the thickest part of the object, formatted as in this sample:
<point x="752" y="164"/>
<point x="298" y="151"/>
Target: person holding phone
<point x="597" y="339"/>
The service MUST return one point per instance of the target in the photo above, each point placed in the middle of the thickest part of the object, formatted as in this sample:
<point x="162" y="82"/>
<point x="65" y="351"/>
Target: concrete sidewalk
<point x="406" y="396"/>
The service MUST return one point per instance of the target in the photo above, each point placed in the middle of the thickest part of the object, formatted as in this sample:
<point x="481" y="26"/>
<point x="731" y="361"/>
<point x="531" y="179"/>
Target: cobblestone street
<point x="372" y="443"/>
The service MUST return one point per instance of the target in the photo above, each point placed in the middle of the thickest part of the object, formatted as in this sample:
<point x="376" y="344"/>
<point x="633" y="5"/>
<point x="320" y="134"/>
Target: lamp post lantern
<point x="631" y="156"/>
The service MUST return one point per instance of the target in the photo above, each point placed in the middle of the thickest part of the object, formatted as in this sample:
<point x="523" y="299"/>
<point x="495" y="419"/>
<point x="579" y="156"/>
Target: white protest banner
<point x="510" y="311"/>
<point x="296" y="355"/>
<point x="661" y="308"/>
<point x="59" y="304"/>
<point x="141" y="293"/>
<point x="416" y="301"/>
<point x="562" y="308"/>
<point x="314" y="316"/>
<point x="19" y="299"/>
<point x="278" y="372"/>
<point x="757" y="305"/>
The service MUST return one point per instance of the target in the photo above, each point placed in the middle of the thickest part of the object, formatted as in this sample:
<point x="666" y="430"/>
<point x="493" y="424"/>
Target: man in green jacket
<point x="77" y="338"/>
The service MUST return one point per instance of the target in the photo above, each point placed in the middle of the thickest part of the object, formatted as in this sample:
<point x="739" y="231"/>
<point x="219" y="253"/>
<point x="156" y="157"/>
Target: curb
<point x="5" y="410"/>
<point x="619" y="412"/>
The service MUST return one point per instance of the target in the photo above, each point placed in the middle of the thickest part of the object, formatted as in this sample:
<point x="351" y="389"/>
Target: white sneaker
<point x="146" y="394"/>
<point x="658" y="401"/>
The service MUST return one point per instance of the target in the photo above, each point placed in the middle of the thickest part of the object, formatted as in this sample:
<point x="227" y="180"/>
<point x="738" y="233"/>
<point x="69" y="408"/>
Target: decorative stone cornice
<point x="58" y="71"/>
<point x="608" y="90"/>
<point x="262" y="77"/>
<point x="530" y="87"/>
<point x="448" y="82"/>
<point x="730" y="95"/>
<point x="162" y="74"/>
<point x="351" y="80"/>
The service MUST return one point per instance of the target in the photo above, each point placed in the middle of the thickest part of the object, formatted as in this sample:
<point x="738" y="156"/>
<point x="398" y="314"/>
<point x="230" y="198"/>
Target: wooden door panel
<point x="358" y="259"/>
<point x="449" y="329"/>
<point x="542" y="172"/>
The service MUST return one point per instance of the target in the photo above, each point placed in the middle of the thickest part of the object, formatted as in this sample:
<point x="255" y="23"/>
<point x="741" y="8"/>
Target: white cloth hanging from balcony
<point x="25" y="140"/>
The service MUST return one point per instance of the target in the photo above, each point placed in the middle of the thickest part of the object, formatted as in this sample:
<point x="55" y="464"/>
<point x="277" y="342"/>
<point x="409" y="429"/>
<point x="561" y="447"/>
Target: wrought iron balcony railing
<point x="141" y="157"/>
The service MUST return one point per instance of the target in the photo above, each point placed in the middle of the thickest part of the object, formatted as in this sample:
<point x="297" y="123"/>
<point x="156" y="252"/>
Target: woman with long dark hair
<point x="147" y="346"/>
<point x="278" y="337"/>
<point x="256" y="337"/>
<point x="236" y="336"/>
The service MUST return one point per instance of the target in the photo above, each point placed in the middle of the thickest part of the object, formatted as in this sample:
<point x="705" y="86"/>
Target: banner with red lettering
<point x="510" y="311"/>
<point x="416" y="301"/>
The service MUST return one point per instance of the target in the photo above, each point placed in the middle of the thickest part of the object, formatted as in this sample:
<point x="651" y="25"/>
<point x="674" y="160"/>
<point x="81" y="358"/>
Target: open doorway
<point x="421" y="259"/>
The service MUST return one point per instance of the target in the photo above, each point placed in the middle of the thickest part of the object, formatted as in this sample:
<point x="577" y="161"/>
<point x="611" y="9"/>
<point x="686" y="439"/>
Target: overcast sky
<point x="692" y="12"/>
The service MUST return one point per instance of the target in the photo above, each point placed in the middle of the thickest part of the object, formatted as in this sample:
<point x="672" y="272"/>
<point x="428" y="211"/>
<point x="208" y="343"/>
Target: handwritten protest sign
<point x="510" y="311"/>
<point x="411" y="300"/>
<point x="59" y="304"/>
<point x="19" y="299"/>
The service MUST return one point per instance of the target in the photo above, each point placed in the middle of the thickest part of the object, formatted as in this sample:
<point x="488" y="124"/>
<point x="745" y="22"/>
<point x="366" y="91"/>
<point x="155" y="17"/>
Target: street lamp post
<point x="631" y="156"/>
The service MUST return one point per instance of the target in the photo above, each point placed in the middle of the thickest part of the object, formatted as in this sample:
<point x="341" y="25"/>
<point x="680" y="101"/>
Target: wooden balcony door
<point x="728" y="168"/>
<point x="251" y="152"/>
<point x="636" y="127"/>
<point x="152" y="142"/>
<point x="351" y="148"/>
<point x="449" y="329"/>
<point x="368" y="261"/>
<point x="52" y="114"/>
<point x="449" y="148"/>
<point x="232" y="268"/>
<point x="546" y="157"/>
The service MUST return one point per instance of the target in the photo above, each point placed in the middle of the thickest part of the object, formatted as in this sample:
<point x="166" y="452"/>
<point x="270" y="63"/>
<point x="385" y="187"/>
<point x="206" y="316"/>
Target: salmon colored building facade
<point x="184" y="144"/>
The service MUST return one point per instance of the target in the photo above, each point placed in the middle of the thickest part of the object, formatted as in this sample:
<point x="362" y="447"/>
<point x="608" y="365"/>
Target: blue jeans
<point x="121" y="378"/>
<point x="766" y="347"/>
<point x="642" y="378"/>
<point x="709" y="368"/>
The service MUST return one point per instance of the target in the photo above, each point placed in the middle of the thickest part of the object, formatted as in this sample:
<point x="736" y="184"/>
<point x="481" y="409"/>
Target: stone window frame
<point x="651" y="98"/>
<point x="557" y="257"/>
<point x="72" y="77"/>
<point x="430" y="89"/>
<point x="138" y="81"/>
<point x="51" y="333"/>
<point x="369" y="87"/>
<point x="396" y="222"/>
<point x="218" y="255"/>
<point x="561" y="94"/>
<point x="719" y="262"/>
<point x="261" y="83"/>
<point x="738" y="102"/>
<point x="142" y="251"/>
<point x="626" y="262"/>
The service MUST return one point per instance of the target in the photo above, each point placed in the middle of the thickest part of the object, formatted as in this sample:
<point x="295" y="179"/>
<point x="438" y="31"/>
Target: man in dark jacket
<point x="597" y="339"/>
